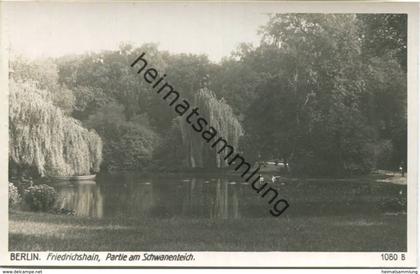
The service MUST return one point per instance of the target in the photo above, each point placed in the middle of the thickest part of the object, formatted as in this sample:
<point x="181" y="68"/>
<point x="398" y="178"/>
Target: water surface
<point x="131" y="195"/>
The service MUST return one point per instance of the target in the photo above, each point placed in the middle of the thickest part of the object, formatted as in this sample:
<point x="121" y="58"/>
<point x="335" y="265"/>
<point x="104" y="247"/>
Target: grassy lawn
<point x="41" y="232"/>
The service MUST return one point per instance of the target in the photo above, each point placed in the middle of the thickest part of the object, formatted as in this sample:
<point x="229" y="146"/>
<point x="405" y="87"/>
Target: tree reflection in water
<point x="132" y="200"/>
<point x="127" y="196"/>
<point x="215" y="199"/>
<point x="84" y="198"/>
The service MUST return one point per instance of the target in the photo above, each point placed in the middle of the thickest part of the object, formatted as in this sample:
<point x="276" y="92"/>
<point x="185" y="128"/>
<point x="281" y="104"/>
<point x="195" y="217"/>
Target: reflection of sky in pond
<point x="129" y="196"/>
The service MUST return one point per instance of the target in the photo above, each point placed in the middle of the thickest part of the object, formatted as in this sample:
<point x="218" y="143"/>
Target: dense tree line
<point x="325" y="93"/>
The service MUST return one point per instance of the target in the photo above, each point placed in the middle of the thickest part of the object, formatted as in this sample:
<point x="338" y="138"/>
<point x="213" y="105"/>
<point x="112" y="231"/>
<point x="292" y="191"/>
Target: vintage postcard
<point x="209" y="134"/>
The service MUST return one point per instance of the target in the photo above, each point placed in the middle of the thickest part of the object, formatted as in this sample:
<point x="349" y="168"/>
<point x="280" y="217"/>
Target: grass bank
<point x="41" y="232"/>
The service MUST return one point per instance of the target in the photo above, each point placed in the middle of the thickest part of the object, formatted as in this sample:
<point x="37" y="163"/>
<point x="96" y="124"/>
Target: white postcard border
<point x="248" y="259"/>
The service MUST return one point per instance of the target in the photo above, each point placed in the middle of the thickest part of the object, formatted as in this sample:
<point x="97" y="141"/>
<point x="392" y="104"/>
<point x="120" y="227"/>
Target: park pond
<point x="132" y="212"/>
<point x="132" y="195"/>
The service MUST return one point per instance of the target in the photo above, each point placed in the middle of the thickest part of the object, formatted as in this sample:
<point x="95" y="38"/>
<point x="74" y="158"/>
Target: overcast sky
<point x="55" y="29"/>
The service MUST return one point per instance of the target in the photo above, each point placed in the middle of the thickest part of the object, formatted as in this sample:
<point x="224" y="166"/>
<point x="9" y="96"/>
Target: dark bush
<point x="40" y="197"/>
<point x="14" y="197"/>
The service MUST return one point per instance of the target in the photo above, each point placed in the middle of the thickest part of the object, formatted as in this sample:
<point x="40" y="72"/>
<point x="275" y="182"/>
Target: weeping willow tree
<point x="220" y="116"/>
<point x="43" y="137"/>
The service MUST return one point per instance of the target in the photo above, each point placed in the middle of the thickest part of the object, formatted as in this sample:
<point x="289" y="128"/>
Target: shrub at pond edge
<point x="40" y="197"/>
<point x="14" y="197"/>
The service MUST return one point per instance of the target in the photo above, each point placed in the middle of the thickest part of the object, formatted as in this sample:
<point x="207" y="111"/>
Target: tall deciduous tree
<point x="43" y="137"/>
<point x="310" y="110"/>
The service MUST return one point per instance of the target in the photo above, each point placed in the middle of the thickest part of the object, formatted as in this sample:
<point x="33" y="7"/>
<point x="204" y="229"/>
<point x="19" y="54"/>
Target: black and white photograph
<point x="169" y="133"/>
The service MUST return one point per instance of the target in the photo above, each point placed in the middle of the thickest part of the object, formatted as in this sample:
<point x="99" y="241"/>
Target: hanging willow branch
<point x="220" y="116"/>
<point x="42" y="136"/>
